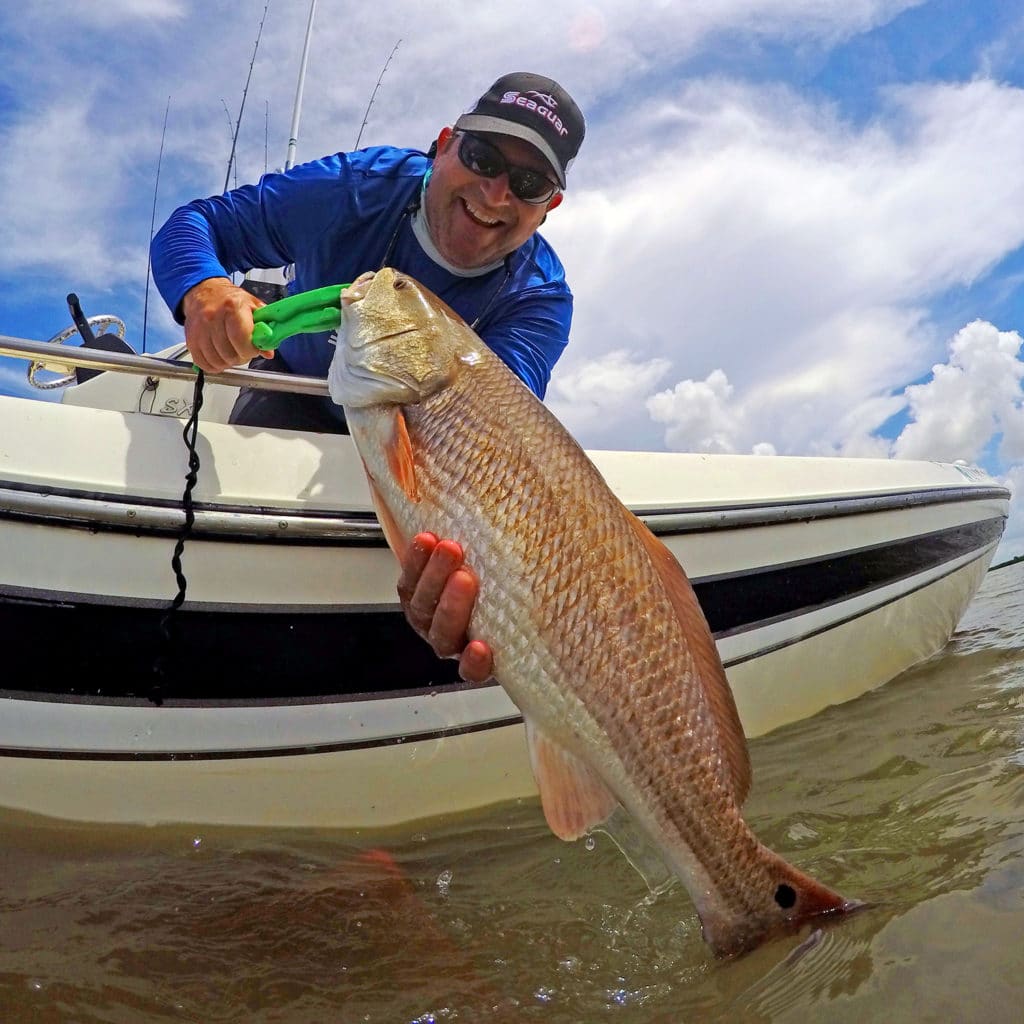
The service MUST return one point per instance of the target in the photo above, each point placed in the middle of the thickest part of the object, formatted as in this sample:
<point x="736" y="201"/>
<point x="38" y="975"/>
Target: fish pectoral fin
<point x="574" y="798"/>
<point x="638" y="849"/>
<point x="705" y="653"/>
<point x="400" y="457"/>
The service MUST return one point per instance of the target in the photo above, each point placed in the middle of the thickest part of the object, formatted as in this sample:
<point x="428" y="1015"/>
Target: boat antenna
<point x="293" y="137"/>
<point x="366" y="116"/>
<point x="152" y="225"/>
<point x="245" y="92"/>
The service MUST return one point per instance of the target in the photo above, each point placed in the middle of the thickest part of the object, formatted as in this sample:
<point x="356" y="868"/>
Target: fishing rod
<point x="231" y="136"/>
<point x="245" y="92"/>
<point x="380" y="78"/>
<point x="152" y="225"/>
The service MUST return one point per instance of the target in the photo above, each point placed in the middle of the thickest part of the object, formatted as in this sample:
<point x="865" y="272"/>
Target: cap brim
<point x="499" y="126"/>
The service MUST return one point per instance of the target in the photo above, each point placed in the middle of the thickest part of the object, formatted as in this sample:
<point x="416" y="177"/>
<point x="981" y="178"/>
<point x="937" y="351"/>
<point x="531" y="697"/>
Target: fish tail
<point x="799" y="897"/>
<point x="788" y="898"/>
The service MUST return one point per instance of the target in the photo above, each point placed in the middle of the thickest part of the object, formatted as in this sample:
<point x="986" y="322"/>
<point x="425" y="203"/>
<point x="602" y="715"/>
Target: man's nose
<point x="496" y="189"/>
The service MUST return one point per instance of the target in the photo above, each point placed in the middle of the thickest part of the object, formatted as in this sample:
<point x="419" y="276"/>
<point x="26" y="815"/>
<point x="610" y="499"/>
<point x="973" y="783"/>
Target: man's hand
<point x="438" y="593"/>
<point x="218" y="324"/>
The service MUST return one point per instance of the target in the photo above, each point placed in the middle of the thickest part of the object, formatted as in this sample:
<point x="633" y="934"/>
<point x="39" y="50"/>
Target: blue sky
<point x="795" y="226"/>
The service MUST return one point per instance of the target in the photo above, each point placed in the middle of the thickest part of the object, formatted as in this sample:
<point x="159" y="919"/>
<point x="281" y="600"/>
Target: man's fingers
<point x="422" y="604"/>
<point x="218" y="352"/>
<point x="238" y="326"/>
<point x="415" y="561"/>
<point x="454" y="609"/>
<point x="476" y="664"/>
<point x="438" y="594"/>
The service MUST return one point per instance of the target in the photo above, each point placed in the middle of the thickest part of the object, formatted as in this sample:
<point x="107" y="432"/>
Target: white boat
<point x="287" y="689"/>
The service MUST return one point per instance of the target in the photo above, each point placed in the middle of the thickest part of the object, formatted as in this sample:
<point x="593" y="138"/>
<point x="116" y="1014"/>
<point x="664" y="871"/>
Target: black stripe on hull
<point x="738" y="602"/>
<point x="118" y="653"/>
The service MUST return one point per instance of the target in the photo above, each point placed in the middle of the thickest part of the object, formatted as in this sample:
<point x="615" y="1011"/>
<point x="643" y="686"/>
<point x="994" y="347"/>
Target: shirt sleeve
<point x="531" y="334"/>
<point x="258" y="225"/>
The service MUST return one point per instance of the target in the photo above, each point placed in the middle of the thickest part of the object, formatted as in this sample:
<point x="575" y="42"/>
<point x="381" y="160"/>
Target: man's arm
<point x="205" y="241"/>
<point x="192" y="261"/>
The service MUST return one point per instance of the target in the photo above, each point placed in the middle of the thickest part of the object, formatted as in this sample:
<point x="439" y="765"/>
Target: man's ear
<point x="555" y="200"/>
<point x="443" y="137"/>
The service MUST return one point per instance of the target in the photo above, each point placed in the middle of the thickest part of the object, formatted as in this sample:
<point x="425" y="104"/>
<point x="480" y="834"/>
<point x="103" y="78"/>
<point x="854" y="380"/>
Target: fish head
<point x="399" y="343"/>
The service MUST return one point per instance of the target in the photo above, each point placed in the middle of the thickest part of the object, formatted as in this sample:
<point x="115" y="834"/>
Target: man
<point x="462" y="219"/>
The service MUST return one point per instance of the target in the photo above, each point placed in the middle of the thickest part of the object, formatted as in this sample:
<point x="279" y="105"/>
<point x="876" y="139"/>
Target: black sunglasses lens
<point x="482" y="158"/>
<point x="529" y="185"/>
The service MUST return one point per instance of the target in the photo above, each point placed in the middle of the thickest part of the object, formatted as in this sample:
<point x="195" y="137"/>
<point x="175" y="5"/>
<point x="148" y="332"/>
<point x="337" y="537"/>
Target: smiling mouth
<point x="478" y="216"/>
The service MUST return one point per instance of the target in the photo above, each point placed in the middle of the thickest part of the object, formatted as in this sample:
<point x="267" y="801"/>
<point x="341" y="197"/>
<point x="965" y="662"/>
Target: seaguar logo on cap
<point x="544" y="108"/>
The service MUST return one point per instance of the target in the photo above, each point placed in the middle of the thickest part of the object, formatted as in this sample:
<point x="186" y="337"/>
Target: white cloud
<point x="581" y="398"/>
<point x="109" y="15"/>
<point x="697" y="415"/>
<point x="51" y="227"/>
<point x="971" y="398"/>
<point x="117" y="12"/>
<point x="971" y="401"/>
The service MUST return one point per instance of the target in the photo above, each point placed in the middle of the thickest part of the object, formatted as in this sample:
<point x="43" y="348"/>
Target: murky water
<point x="911" y="798"/>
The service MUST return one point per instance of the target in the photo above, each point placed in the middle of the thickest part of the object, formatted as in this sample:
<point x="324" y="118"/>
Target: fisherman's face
<point x="475" y="221"/>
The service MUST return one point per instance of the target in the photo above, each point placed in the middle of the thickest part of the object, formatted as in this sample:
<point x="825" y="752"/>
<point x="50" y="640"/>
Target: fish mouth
<point x="360" y="289"/>
<point x="357" y="290"/>
<point x="357" y="343"/>
<point x="374" y="379"/>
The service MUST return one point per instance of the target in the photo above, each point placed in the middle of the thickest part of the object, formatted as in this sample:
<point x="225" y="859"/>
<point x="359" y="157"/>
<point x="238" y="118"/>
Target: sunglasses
<point x="480" y="157"/>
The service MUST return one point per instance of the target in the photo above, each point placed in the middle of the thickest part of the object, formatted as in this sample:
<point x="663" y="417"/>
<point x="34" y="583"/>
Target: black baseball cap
<point x="535" y="109"/>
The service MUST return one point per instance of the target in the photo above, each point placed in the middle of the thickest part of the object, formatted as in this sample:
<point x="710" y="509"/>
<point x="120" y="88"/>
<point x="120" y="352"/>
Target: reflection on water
<point x="911" y="798"/>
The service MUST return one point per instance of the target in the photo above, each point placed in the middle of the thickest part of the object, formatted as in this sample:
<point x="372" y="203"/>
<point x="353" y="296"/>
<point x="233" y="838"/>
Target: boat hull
<point x="416" y="756"/>
<point x="287" y="690"/>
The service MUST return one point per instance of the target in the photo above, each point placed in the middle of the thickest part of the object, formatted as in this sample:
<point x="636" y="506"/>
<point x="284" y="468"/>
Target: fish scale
<point x="594" y="629"/>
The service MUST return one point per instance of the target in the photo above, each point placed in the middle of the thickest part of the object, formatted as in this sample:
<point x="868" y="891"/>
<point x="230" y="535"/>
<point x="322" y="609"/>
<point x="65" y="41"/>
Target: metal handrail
<point x="151" y="366"/>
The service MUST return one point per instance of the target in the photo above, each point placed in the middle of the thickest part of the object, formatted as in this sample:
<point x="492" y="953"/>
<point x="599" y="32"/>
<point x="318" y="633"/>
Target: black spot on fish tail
<point x="785" y="896"/>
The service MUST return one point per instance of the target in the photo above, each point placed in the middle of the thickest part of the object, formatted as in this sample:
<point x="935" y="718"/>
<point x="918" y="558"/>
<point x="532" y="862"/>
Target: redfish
<point x="596" y="633"/>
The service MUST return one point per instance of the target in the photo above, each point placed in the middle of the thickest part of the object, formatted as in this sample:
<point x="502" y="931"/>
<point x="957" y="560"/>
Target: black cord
<point x="189" y="434"/>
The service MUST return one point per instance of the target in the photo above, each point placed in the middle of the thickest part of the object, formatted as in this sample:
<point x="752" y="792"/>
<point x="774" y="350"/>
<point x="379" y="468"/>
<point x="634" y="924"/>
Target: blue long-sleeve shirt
<point x="342" y="215"/>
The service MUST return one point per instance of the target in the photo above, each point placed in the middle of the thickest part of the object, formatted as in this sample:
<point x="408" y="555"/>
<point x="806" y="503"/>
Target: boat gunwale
<point x="96" y="510"/>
